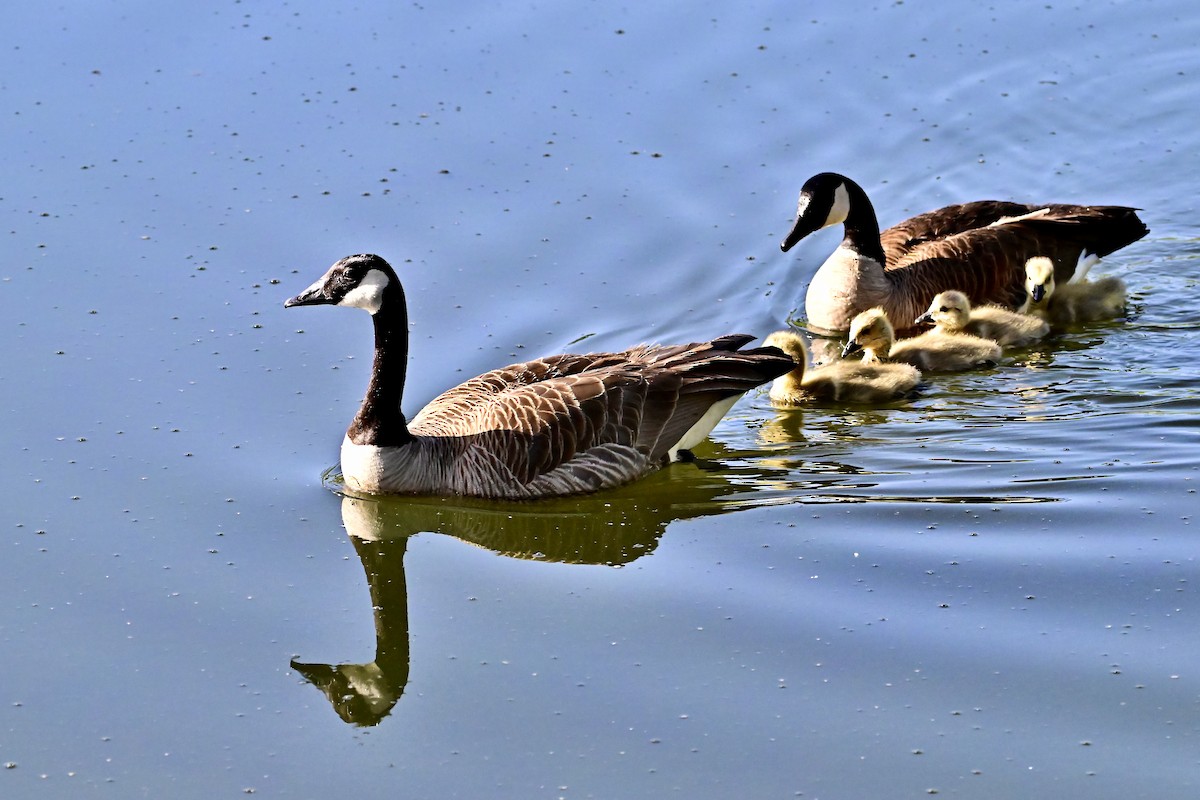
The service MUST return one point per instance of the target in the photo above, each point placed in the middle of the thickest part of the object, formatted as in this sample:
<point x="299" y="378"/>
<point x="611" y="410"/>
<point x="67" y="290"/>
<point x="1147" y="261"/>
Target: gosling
<point x="839" y="381"/>
<point x="1078" y="301"/>
<point x="932" y="351"/>
<point x="951" y="312"/>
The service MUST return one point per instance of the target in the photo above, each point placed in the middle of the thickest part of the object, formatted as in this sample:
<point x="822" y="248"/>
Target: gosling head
<point x="949" y="311"/>
<point x="871" y="332"/>
<point x="1039" y="278"/>
<point x="790" y="343"/>
<point x="359" y="281"/>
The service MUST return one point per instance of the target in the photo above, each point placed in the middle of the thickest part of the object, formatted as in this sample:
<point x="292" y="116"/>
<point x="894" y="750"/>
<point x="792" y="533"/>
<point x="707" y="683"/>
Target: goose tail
<point x="722" y="366"/>
<point x="1114" y="227"/>
<point x="708" y="378"/>
<point x="1101" y="230"/>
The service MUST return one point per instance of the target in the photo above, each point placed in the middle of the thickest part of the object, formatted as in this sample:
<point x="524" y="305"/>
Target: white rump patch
<point x="841" y="206"/>
<point x="1084" y="266"/>
<point x="703" y="427"/>
<point x="368" y="294"/>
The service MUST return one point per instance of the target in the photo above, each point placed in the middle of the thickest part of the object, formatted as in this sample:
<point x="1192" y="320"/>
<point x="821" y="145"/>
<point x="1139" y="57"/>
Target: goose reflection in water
<point x="611" y="528"/>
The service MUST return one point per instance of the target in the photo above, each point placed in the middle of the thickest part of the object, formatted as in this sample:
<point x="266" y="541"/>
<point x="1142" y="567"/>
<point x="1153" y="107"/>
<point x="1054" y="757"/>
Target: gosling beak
<point x="851" y="347"/>
<point x="924" y="319"/>
<point x="1038" y="292"/>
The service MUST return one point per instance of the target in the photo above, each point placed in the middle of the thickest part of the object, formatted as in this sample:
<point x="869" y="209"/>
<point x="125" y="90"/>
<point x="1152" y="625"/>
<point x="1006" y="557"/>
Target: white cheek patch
<point x="368" y="295"/>
<point x="841" y="206"/>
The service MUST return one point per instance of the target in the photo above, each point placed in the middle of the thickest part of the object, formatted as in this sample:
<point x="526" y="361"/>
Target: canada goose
<point x="951" y="312"/>
<point x="931" y="351"/>
<point x="979" y="248"/>
<point x="1079" y="300"/>
<point x="554" y="426"/>
<point x="840" y="381"/>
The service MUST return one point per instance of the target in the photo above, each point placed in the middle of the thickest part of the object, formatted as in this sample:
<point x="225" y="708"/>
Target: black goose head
<point x="824" y="200"/>
<point x="360" y="281"/>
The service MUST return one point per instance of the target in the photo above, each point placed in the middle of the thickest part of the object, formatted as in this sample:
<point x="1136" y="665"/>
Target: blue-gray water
<point x="989" y="592"/>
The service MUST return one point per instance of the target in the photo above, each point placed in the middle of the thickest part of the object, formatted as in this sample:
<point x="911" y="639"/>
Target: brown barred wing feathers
<point x="906" y="236"/>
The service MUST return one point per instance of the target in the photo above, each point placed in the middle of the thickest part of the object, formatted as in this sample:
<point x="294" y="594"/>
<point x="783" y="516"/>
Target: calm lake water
<point x="987" y="592"/>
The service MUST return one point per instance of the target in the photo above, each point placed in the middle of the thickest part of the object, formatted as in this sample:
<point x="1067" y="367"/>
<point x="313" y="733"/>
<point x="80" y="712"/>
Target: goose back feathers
<point x="979" y="248"/>
<point x="553" y="426"/>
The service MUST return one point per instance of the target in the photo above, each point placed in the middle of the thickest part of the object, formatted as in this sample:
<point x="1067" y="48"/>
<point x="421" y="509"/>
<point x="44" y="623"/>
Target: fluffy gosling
<point x="951" y="312"/>
<point x="839" y="381"/>
<point x="1077" y="301"/>
<point x="932" y="351"/>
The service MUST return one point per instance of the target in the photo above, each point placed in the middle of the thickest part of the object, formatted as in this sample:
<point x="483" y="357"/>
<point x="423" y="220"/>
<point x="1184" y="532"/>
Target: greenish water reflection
<point x="608" y="529"/>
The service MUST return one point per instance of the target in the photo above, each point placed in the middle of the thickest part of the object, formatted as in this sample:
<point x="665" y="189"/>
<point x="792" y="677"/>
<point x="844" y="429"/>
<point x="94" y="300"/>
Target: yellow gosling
<point x="951" y="312"/>
<point x="1078" y="301"/>
<point x="839" y="381"/>
<point x="933" y="351"/>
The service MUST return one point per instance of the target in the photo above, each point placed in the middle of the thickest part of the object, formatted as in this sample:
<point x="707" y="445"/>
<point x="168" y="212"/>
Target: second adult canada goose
<point x="1080" y="300"/>
<point x="559" y="425"/>
<point x="932" y="351"/>
<point x="951" y="312"/>
<point x="839" y="381"/>
<point x="979" y="248"/>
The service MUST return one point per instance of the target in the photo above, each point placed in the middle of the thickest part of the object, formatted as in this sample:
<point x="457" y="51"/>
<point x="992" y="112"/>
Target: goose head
<point x="363" y="281"/>
<point x="824" y="201"/>
<point x="949" y="311"/>
<point x="368" y="282"/>
<point x="1039" y="278"/>
<point x="871" y="332"/>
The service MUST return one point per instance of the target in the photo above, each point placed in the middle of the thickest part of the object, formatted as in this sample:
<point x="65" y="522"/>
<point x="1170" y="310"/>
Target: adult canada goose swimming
<point x="979" y="248"/>
<point x="951" y="312"/>
<point x="932" y="351"/>
<point x="1080" y="300"/>
<point x="839" y="381"/>
<point x="554" y="426"/>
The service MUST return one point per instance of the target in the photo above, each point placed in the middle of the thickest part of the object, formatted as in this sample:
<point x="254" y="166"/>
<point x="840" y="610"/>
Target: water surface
<point x="985" y="592"/>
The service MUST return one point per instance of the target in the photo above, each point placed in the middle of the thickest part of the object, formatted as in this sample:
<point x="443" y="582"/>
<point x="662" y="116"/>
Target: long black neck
<point x="379" y="420"/>
<point x="862" y="227"/>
